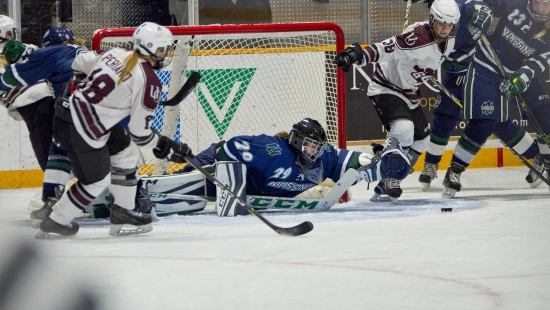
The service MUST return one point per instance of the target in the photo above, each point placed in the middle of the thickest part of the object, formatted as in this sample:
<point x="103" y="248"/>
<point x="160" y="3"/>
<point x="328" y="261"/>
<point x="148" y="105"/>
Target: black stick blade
<point x="185" y="90"/>
<point x="299" y="230"/>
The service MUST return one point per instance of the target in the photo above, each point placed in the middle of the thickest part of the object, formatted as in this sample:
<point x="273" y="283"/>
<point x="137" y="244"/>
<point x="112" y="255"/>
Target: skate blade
<point x="448" y="193"/>
<point x="426" y="186"/>
<point x="119" y="230"/>
<point x="536" y="183"/>
<point x="36" y="223"/>
<point x="375" y="197"/>
<point x="50" y="236"/>
<point x="381" y="199"/>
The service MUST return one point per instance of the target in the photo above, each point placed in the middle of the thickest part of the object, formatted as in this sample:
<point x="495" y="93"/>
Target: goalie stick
<point x="308" y="205"/>
<point x="185" y="90"/>
<point x="297" y="230"/>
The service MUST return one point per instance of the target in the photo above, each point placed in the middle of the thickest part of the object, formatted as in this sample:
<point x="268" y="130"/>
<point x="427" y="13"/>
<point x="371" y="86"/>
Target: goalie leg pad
<point x="394" y="163"/>
<point x="233" y="175"/>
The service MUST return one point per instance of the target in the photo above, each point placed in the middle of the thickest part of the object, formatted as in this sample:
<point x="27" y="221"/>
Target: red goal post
<point x="255" y="79"/>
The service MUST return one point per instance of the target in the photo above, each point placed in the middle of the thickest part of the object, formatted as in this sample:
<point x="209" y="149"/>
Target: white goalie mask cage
<point x="309" y="138"/>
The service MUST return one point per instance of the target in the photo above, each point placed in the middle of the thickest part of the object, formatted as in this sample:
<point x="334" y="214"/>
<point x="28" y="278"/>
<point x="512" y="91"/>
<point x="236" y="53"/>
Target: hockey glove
<point x="482" y="17"/>
<point x="13" y="50"/>
<point x="171" y="150"/>
<point x="353" y="54"/>
<point x="376" y="147"/>
<point x="517" y="83"/>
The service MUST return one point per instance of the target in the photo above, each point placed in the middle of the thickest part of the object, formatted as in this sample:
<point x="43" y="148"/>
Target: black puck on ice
<point x="446" y="209"/>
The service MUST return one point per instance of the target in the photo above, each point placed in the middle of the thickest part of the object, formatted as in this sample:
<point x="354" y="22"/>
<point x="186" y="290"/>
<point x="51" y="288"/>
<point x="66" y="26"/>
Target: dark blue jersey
<point x="271" y="165"/>
<point x="518" y="41"/>
<point x="52" y="64"/>
<point x="459" y="60"/>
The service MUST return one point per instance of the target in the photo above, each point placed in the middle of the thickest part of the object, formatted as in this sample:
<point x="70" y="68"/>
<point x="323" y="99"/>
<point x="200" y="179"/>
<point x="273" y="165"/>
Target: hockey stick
<point x="298" y="230"/>
<point x="185" y="90"/>
<point x="445" y="90"/>
<point x="407" y="15"/>
<point x="521" y="158"/>
<point x="519" y="98"/>
<point x="526" y="163"/>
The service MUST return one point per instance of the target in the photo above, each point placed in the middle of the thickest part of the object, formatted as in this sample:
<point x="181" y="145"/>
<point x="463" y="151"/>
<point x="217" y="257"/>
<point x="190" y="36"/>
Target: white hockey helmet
<point x="446" y="12"/>
<point x="155" y="40"/>
<point x="538" y="16"/>
<point x="8" y="30"/>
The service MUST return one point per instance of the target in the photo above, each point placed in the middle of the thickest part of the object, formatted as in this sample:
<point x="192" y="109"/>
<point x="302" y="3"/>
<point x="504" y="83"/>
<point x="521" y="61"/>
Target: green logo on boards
<point x="220" y="92"/>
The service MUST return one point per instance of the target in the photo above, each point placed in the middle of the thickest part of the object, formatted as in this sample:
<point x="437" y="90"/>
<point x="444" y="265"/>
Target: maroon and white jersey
<point x="402" y="62"/>
<point x="99" y="102"/>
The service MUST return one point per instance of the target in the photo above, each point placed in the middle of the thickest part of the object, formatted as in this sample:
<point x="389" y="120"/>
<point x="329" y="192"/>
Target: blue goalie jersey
<point x="271" y="167"/>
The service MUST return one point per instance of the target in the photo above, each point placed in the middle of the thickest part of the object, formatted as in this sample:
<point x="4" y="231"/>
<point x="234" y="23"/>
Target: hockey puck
<point x="446" y="209"/>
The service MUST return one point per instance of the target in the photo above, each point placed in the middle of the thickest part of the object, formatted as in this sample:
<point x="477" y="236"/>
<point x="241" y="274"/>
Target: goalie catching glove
<point x="516" y="84"/>
<point x="171" y="150"/>
<point x="353" y="54"/>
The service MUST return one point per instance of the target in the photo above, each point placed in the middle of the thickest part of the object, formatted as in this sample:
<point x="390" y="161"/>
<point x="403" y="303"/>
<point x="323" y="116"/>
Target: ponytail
<point x="543" y="30"/>
<point x="129" y="63"/>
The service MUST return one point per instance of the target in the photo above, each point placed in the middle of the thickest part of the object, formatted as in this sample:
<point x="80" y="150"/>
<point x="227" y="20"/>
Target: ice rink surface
<point x="491" y="252"/>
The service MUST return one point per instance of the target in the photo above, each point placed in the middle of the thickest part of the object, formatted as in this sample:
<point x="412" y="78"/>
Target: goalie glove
<point x="171" y="150"/>
<point x="516" y="83"/>
<point x="353" y="54"/>
<point x="482" y="17"/>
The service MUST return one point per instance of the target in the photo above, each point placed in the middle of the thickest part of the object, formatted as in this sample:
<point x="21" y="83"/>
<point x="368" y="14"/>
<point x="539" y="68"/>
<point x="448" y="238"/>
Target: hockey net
<point x="256" y="79"/>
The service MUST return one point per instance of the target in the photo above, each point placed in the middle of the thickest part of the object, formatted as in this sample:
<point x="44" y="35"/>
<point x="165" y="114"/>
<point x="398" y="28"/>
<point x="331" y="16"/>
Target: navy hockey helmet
<point x="57" y="35"/>
<point x="308" y="138"/>
<point x="539" y="10"/>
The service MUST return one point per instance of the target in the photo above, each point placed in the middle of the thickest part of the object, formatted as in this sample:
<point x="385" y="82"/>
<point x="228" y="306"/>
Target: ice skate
<point x="145" y="205"/>
<point x="120" y="216"/>
<point x="37" y="216"/>
<point x="532" y="178"/>
<point x="50" y="229"/>
<point x="389" y="187"/>
<point x="451" y="182"/>
<point x="428" y="174"/>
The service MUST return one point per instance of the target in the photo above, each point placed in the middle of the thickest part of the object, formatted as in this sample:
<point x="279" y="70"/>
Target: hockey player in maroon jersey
<point x="402" y="63"/>
<point x="115" y="85"/>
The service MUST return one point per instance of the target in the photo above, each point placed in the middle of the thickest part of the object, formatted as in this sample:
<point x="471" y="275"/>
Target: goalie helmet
<point x="8" y="31"/>
<point x="57" y="35"/>
<point x="541" y="12"/>
<point x="446" y="12"/>
<point x="308" y="138"/>
<point x="156" y="41"/>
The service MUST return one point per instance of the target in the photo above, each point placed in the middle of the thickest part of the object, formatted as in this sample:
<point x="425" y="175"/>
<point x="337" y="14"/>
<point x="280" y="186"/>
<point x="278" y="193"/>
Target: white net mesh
<point x="251" y="83"/>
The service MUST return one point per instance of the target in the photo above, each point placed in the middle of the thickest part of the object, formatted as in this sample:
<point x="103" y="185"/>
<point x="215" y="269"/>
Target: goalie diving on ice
<point x="270" y="171"/>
